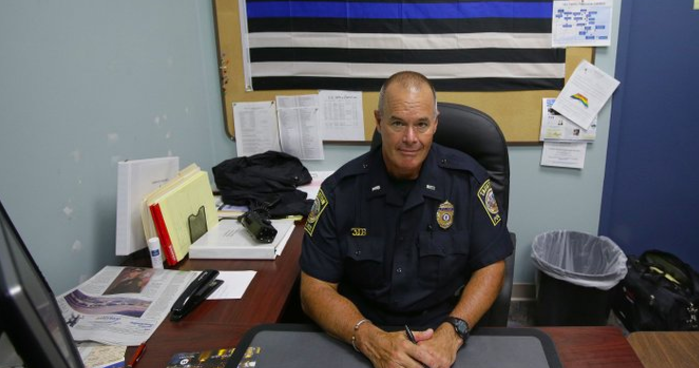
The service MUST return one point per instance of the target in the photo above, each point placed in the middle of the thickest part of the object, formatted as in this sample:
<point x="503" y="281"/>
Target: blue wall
<point x="84" y="84"/>
<point x="650" y="192"/>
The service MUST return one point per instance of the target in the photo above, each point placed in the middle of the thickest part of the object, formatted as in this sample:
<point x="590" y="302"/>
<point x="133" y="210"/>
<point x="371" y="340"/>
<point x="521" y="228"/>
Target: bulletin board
<point x="517" y="112"/>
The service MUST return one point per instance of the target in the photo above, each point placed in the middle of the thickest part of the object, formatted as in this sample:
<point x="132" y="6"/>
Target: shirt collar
<point x="427" y="185"/>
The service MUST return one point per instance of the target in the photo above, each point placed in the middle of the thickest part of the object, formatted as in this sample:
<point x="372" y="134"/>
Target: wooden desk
<point x="666" y="349"/>
<point x="221" y="324"/>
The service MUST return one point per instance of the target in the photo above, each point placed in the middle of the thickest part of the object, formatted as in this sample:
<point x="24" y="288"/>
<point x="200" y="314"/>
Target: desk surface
<point x="666" y="349"/>
<point x="221" y="324"/>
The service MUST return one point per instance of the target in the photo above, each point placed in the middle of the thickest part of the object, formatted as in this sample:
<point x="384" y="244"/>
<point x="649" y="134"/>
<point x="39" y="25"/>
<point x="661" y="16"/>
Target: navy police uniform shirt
<point x="402" y="251"/>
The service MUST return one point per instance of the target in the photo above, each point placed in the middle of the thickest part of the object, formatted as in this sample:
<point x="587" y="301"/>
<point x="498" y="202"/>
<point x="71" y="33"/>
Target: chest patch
<point x="318" y="207"/>
<point x="487" y="198"/>
<point x="445" y="215"/>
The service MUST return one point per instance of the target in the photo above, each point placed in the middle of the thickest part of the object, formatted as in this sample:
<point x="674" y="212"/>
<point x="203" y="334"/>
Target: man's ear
<point x="377" y="117"/>
<point x="436" y="123"/>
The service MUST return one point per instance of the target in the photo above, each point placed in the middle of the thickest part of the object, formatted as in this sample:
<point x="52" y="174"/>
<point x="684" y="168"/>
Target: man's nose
<point x="410" y="134"/>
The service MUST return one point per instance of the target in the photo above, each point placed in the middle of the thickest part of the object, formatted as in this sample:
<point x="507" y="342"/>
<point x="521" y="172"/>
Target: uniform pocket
<point x="443" y="256"/>
<point x="364" y="262"/>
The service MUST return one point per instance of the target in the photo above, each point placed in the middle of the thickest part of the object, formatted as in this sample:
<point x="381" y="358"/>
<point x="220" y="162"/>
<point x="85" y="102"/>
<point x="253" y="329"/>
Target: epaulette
<point x="452" y="159"/>
<point x="357" y="166"/>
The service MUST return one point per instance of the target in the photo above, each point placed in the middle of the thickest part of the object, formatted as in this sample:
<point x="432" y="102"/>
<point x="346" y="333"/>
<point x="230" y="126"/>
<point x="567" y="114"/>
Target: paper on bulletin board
<point x="342" y="114"/>
<point x="556" y="127"/>
<point x="581" y="23"/>
<point x="255" y="128"/>
<point x="299" y="126"/>
<point x="564" y="154"/>
<point x="587" y="91"/>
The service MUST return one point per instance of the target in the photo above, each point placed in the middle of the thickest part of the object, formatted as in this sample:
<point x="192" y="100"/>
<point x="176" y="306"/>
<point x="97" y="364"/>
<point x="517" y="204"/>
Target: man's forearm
<point x="480" y="293"/>
<point x="330" y="310"/>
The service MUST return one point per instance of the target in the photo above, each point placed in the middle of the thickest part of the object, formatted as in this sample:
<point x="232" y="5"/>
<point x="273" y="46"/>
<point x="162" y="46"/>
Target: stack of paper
<point x="180" y="212"/>
<point x="230" y="240"/>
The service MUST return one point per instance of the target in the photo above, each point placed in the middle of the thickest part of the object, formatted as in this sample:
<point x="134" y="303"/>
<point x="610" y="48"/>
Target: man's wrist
<point x="460" y="327"/>
<point x="354" y="332"/>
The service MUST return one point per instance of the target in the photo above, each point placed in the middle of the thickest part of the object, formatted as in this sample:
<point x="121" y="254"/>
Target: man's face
<point x="407" y="126"/>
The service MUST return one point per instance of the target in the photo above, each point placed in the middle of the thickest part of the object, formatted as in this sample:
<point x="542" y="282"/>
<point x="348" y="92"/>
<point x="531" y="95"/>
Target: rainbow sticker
<point x="581" y="98"/>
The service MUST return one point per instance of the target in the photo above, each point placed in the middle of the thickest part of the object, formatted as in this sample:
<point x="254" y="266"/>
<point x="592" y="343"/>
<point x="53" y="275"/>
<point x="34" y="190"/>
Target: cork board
<point x="518" y="112"/>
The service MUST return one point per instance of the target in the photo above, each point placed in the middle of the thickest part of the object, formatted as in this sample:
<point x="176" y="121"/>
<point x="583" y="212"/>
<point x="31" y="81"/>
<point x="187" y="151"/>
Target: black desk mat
<point x="290" y="346"/>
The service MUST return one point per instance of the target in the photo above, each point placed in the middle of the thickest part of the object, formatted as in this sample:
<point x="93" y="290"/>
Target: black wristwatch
<point x="460" y="326"/>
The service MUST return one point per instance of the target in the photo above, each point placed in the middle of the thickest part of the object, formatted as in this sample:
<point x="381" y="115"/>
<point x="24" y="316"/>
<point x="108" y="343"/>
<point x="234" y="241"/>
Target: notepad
<point x="181" y="211"/>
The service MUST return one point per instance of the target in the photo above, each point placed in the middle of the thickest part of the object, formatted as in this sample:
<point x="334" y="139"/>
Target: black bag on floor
<point x="659" y="293"/>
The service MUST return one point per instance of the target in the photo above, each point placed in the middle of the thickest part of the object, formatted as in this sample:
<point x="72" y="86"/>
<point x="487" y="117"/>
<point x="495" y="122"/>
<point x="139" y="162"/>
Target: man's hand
<point x="441" y="346"/>
<point x="393" y="349"/>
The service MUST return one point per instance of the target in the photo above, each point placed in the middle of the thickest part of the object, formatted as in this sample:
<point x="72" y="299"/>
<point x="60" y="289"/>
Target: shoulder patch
<point x="318" y="206"/>
<point x="487" y="198"/>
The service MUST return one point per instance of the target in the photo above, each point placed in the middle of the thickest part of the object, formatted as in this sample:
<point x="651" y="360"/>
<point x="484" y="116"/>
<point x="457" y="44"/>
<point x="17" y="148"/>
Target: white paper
<point x="122" y="305"/>
<point x="557" y="128"/>
<point x="299" y="126"/>
<point x="313" y="187"/>
<point x="585" y="94"/>
<point x="564" y="154"/>
<point x="255" y="126"/>
<point x="342" y="115"/>
<point x="582" y="23"/>
<point x="234" y="284"/>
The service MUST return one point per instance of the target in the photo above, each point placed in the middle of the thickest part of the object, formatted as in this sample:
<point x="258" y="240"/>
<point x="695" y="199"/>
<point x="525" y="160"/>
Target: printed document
<point x="122" y="305"/>
<point x="581" y="23"/>
<point x="564" y="154"/>
<point x="255" y="126"/>
<point x="299" y="126"/>
<point x="585" y="94"/>
<point x="342" y="115"/>
<point x="556" y="127"/>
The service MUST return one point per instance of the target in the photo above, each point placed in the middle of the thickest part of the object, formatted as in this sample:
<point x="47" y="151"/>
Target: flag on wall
<point x="461" y="45"/>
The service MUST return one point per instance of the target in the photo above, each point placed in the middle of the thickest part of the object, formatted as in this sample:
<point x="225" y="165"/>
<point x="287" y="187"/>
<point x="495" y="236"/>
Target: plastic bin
<point x="576" y="272"/>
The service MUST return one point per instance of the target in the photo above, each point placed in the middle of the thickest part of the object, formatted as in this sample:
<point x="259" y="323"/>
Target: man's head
<point x="407" y="121"/>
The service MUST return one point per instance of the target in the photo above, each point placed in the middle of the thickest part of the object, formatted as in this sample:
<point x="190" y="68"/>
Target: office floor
<point x="522" y="315"/>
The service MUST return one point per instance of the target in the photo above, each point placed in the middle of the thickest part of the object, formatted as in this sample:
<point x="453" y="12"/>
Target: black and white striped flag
<point x="461" y="45"/>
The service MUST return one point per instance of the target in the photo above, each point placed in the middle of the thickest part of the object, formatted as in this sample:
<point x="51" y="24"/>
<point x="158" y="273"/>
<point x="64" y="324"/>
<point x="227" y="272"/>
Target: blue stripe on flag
<point x="361" y="10"/>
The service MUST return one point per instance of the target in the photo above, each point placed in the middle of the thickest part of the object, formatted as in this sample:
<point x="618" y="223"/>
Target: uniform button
<point x="365" y="165"/>
<point x="444" y="161"/>
<point x="357" y="252"/>
<point x="399" y="270"/>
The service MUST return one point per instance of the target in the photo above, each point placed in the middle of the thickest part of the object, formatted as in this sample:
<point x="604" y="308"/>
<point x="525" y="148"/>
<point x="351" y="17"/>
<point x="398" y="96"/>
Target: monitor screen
<point x="30" y="315"/>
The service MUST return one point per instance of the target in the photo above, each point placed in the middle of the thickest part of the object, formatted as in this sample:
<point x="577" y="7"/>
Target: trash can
<point x="575" y="273"/>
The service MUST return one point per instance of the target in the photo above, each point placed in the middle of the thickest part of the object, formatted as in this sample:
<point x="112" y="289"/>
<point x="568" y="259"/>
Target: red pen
<point x="137" y="355"/>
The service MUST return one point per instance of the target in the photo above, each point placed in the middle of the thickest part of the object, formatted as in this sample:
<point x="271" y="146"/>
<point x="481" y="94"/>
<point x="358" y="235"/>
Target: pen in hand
<point x="137" y="355"/>
<point x="411" y="337"/>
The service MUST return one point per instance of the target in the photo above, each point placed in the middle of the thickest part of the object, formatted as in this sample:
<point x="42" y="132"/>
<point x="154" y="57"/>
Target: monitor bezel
<point x="30" y="336"/>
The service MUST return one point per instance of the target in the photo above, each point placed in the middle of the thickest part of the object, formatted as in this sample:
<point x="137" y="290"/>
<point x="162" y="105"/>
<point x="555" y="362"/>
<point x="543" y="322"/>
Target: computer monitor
<point x="30" y="315"/>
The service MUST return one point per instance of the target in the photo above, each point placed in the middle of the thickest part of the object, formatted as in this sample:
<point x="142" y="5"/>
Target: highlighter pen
<point x="409" y="332"/>
<point x="137" y="355"/>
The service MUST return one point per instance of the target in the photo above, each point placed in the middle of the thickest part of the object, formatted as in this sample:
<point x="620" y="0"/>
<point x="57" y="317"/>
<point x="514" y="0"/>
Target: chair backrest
<point x="477" y="134"/>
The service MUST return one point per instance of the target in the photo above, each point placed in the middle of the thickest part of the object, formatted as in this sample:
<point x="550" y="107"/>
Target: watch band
<point x="461" y="327"/>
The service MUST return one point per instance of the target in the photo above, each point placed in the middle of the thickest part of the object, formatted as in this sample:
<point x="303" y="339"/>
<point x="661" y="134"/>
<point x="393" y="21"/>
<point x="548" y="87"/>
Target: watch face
<point x="461" y="327"/>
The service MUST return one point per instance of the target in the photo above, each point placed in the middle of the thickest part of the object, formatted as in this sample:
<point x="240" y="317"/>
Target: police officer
<point x="406" y="234"/>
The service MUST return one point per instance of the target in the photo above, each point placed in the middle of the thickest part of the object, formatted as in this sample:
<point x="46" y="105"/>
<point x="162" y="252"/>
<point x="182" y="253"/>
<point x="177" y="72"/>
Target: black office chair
<point x="475" y="133"/>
